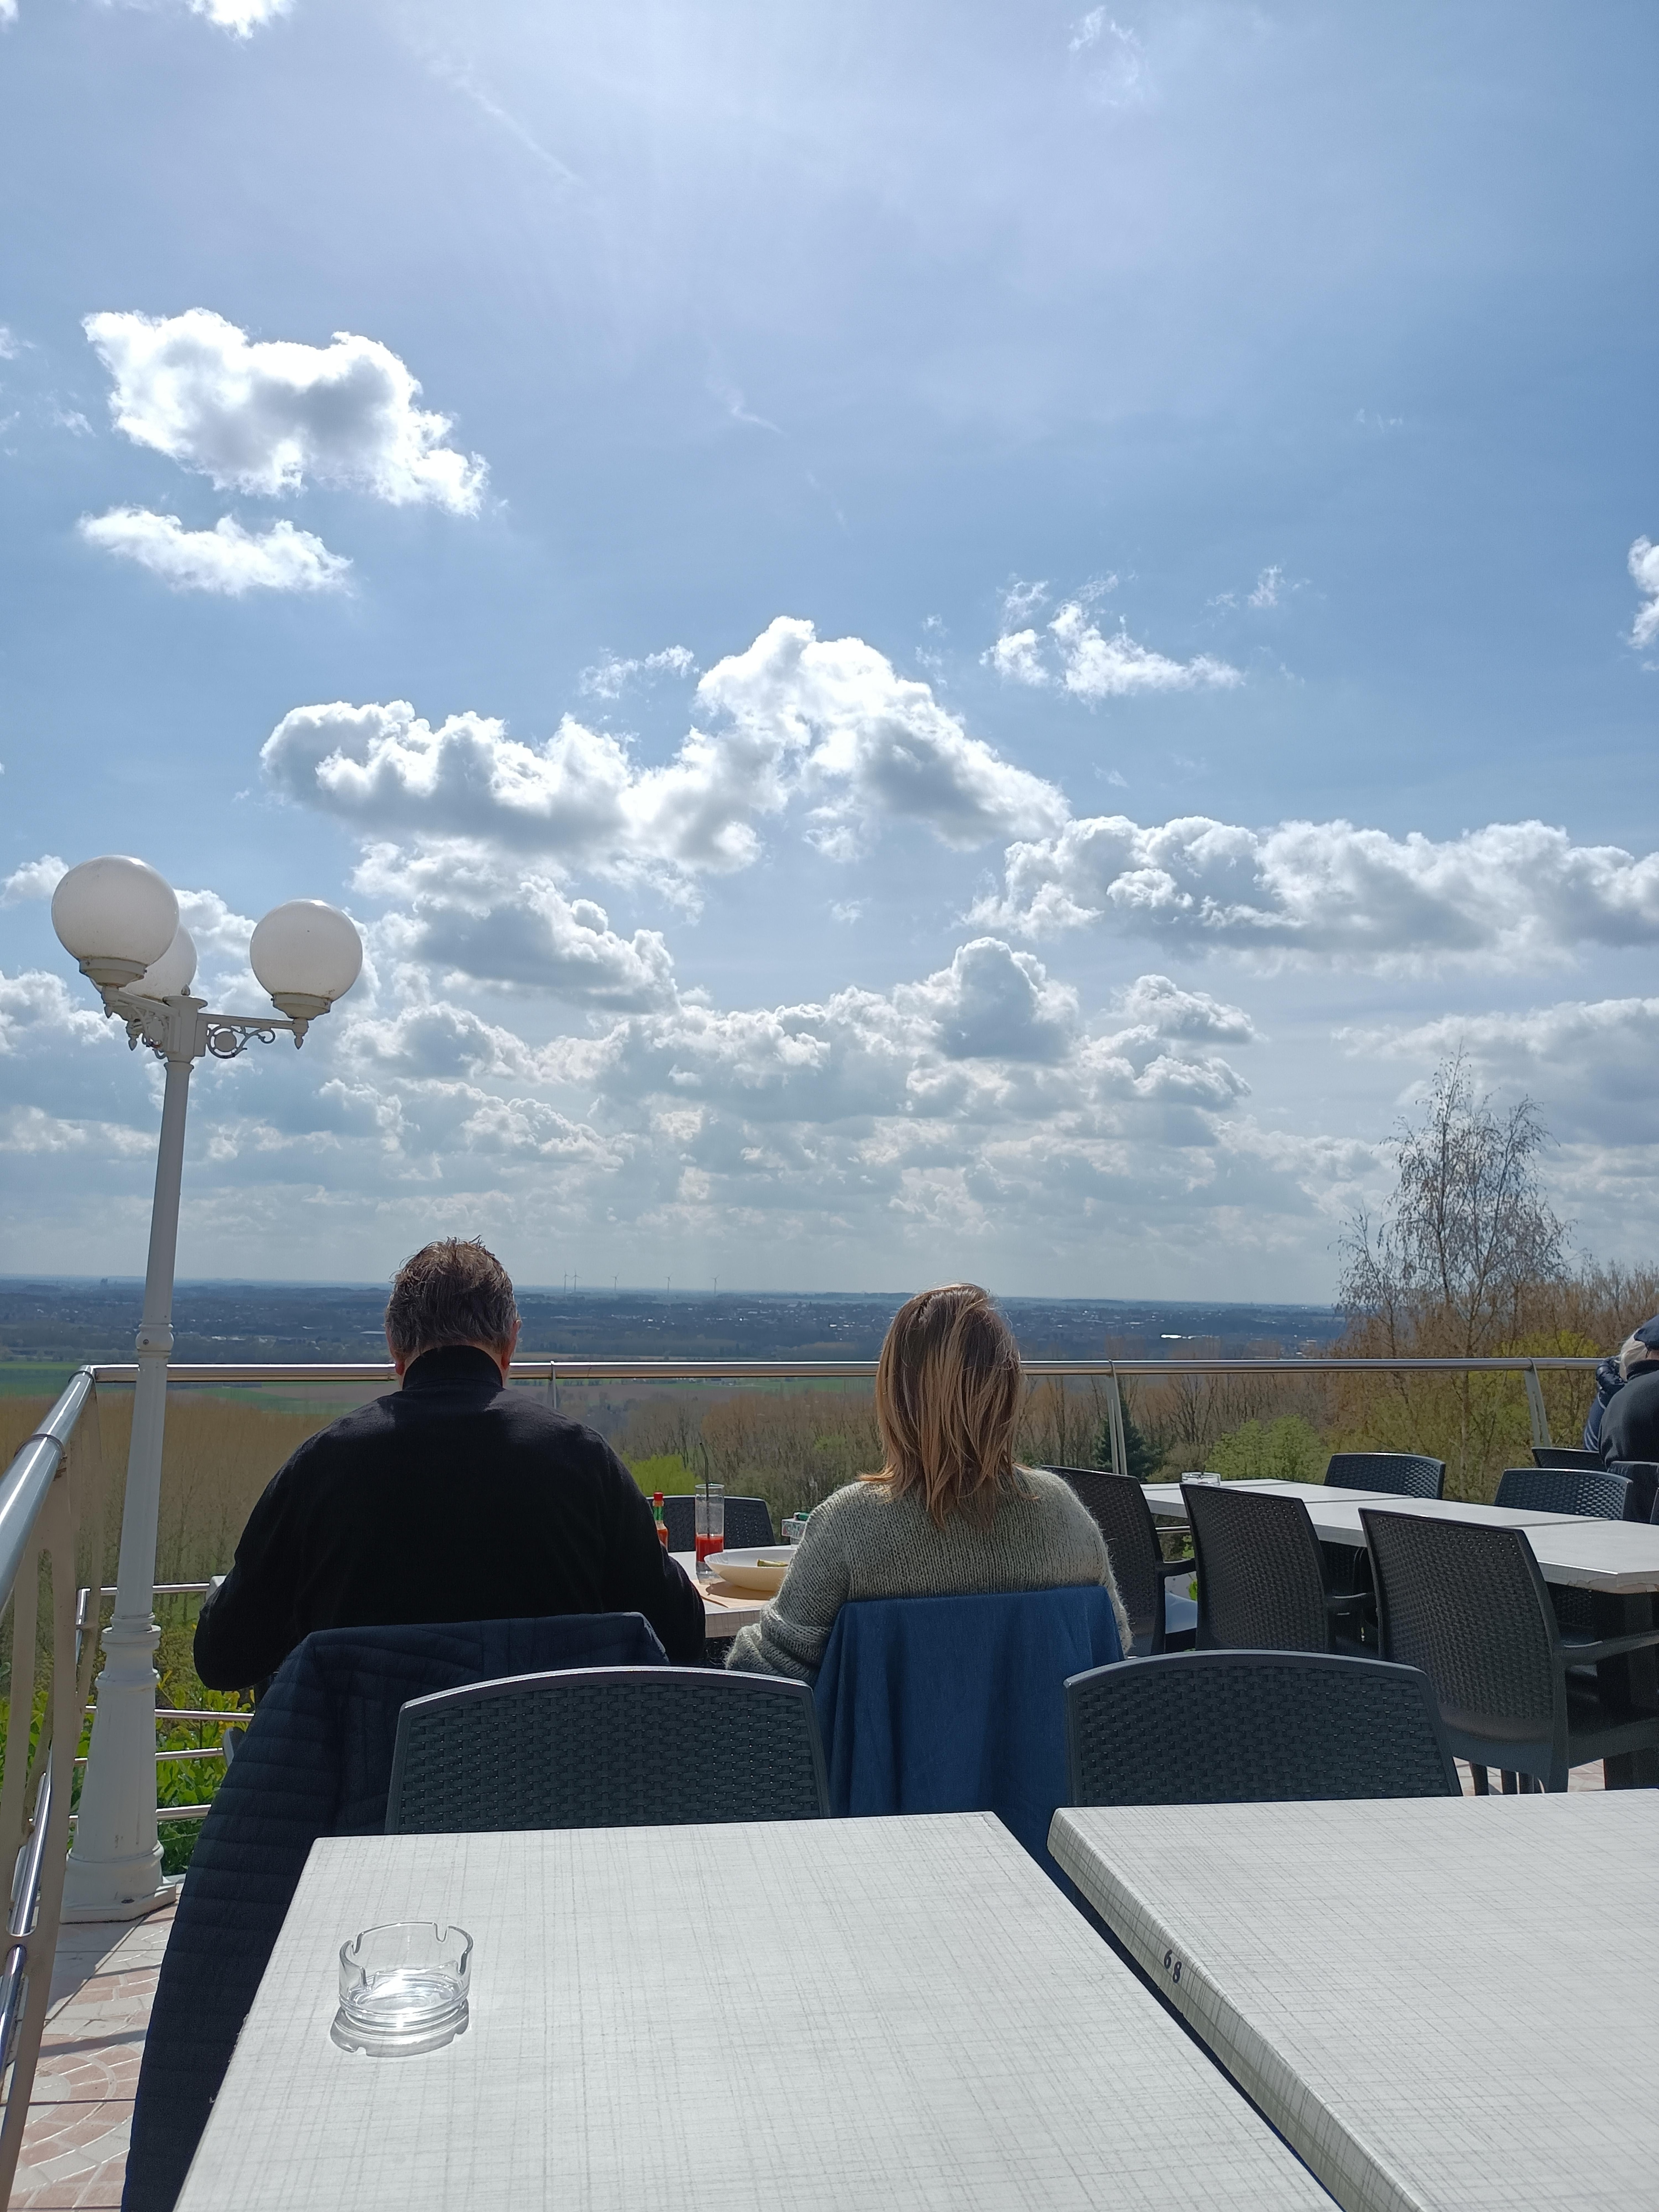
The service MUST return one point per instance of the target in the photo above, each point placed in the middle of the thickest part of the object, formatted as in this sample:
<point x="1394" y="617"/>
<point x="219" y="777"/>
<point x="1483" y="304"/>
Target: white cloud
<point x="1645" y="567"/>
<point x="1589" y="1063"/>
<point x="1165" y="1010"/>
<point x="226" y="558"/>
<point x="830" y="721"/>
<point x="269" y="416"/>
<point x="35" y="879"/>
<point x="1269" y="589"/>
<point x="609" y="676"/>
<point x="871" y="745"/>
<point x="37" y="1009"/>
<point x="1016" y="657"/>
<point x="244" y="17"/>
<point x="1116" y="667"/>
<point x="1118" y="75"/>
<point x="1510" y="895"/>
<point x="1092" y="665"/>
<point x="460" y="914"/>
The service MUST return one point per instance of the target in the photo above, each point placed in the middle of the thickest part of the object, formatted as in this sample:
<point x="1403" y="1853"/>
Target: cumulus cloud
<point x="458" y="914"/>
<point x="226" y="558"/>
<point x="35" y="879"/>
<point x="1511" y="894"/>
<point x="1091" y="664"/>
<point x="1588" y="1062"/>
<point x="792" y="716"/>
<point x="37" y="1010"/>
<point x="1157" y="1004"/>
<point x="610" y="676"/>
<point x="1097" y="666"/>
<point x="1645" y="567"/>
<point x="270" y="415"/>
<point x="870" y="743"/>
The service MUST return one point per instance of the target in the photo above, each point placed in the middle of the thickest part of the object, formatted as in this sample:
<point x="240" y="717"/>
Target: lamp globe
<point x="115" y="915"/>
<point x="306" y="954"/>
<point x="173" y="973"/>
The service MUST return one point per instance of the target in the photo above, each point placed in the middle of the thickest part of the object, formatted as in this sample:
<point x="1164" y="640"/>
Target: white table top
<point x="1462" y="2013"/>
<point x="926" y="2023"/>
<point x="1607" y="1555"/>
<point x="725" y="1612"/>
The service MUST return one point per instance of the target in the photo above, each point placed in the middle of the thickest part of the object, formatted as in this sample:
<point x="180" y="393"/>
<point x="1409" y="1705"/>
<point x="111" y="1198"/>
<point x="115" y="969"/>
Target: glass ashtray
<point x="403" y="1989"/>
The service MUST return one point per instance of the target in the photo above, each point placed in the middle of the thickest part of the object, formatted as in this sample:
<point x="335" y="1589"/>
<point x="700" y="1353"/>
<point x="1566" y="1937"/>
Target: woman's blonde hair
<point x="947" y="1400"/>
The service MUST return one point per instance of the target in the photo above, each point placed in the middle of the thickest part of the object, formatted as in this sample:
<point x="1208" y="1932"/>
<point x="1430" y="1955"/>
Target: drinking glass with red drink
<point x="710" y="1526"/>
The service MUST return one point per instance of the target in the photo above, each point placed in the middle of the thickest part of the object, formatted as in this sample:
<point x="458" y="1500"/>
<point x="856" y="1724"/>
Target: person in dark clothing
<point x="1636" y="1358"/>
<point x="453" y="1499"/>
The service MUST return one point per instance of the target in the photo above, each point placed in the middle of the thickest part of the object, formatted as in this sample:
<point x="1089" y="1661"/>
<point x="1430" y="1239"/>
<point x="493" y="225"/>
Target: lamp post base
<point x="116" y="1889"/>
<point x="114" y="1870"/>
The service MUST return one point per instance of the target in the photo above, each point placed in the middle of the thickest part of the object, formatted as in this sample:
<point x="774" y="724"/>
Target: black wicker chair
<point x="1160" y="1618"/>
<point x="1466" y="1604"/>
<point x="1402" y="1474"/>
<point x="1643" y="1476"/>
<point x="1593" y="1495"/>
<point x="607" y="1747"/>
<point x="1591" y="1492"/>
<point x="1245" y="1728"/>
<point x="1262" y="1576"/>
<point x="680" y="1512"/>
<point x="1564" y="1456"/>
<point x="748" y="1522"/>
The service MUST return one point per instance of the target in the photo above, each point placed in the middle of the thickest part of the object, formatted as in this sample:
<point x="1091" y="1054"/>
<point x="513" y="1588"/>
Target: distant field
<point x="33" y="1378"/>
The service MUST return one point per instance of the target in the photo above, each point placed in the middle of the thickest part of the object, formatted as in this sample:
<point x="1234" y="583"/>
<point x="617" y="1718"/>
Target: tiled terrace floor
<point x="75" y="2149"/>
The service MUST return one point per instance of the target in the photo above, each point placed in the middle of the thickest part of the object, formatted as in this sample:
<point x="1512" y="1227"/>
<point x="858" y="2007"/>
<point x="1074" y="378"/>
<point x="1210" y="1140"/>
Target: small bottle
<point x="660" y="1519"/>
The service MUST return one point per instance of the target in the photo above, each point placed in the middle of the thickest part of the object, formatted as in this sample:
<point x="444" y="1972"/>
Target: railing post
<point x="1535" y="1408"/>
<point x="1114" y="1416"/>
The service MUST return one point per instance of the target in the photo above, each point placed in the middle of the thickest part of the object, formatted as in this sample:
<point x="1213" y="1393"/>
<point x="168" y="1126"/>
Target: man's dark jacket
<point x="1630" y="1426"/>
<point x="455" y="1498"/>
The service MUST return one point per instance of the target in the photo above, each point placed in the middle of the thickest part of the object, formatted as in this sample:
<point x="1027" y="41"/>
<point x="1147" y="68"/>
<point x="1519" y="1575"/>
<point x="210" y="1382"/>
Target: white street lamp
<point x="121" y="921"/>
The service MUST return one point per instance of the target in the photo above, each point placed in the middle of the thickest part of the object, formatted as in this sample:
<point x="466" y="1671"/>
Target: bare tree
<point x="1469" y="1232"/>
<point x="1467" y="1259"/>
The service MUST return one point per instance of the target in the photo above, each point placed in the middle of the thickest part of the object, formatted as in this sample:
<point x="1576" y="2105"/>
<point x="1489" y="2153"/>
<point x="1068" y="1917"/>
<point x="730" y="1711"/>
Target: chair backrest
<point x="1243" y="1728"/>
<point x="680" y="1512"/>
<point x="1260" y="1578"/>
<point x="1402" y="1475"/>
<point x="607" y="1747"/>
<point x="1564" y="1456"/>
<point x="1593" y="1495"/>
<point x="748" y="1522"/>
<point x="956" y="1705"/>
<point x="1466" y="1604"/>
<point x="1643" y="1476"/>
<point x="1120" y="1511"/>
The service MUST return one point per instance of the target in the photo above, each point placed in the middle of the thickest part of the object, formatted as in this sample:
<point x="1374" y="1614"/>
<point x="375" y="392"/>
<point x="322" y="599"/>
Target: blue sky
<point x="880" y="517"/>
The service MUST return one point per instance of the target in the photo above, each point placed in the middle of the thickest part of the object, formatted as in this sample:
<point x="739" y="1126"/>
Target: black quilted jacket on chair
<point x="316" y="1761"/>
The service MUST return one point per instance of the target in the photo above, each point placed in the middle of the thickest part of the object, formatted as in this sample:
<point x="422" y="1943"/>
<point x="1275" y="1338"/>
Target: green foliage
<point x="1143" y="1457"/>
<point x="663" y="1471"/>
<point x="1289" y="1450"/>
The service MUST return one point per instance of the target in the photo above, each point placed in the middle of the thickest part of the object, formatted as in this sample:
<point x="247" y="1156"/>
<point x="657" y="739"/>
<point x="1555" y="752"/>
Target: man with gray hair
<point x="455" y="1498"/>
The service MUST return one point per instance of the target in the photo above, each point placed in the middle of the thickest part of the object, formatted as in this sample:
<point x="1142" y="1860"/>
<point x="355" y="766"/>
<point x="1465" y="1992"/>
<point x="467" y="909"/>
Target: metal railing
<point x="43" y="1498"/>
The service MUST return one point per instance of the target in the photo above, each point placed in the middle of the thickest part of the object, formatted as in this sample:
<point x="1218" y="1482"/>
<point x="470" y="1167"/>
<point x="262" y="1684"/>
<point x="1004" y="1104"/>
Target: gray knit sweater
<point x="864" y="1542"/>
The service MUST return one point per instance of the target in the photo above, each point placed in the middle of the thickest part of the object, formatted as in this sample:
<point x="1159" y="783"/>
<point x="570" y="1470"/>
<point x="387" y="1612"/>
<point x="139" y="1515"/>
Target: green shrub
<point x="663" y="1471"/>
<point x="1289" y="1450"/>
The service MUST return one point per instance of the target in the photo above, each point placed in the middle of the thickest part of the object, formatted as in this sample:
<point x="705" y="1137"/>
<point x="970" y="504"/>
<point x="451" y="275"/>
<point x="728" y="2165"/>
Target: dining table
<point x="825" y="2015"/>
<point x="1445" y="2004"/>
<point x="725" y="1607"/>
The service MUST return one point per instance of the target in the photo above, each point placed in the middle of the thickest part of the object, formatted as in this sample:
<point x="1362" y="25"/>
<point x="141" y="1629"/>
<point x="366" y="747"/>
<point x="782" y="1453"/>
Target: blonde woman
<point x="949" y="1514"/>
